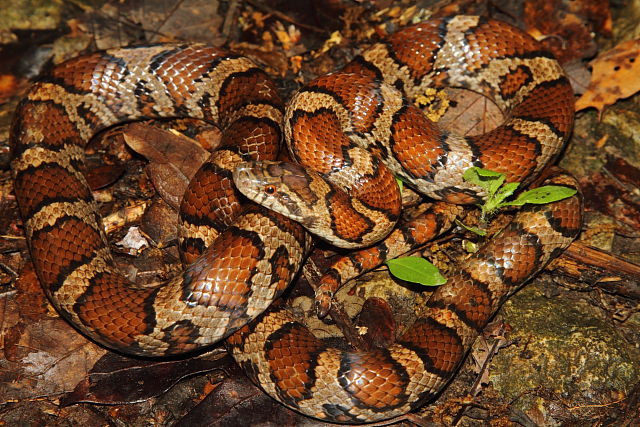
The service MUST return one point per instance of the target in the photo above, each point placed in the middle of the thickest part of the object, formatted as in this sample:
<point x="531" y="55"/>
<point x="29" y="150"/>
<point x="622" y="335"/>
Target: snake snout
<point x="247" y="178"/>
<point x="257" y="181"/>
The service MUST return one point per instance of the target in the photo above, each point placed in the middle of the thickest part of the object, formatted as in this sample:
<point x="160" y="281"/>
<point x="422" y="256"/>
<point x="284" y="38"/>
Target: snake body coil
<point x="246" y="266"/>
<point x="355" y="131"/>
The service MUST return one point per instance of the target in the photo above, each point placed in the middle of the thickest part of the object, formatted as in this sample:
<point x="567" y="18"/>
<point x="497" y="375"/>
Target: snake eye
<point x="270" y="189"/>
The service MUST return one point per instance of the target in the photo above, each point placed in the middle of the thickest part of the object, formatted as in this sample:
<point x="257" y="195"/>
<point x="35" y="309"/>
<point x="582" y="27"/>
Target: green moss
<point x="31" y="14"/>
<point x="570" y="350"/>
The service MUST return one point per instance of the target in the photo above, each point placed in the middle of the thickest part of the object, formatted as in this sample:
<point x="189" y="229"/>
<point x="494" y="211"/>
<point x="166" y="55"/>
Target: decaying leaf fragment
<point x="616" y="75"/>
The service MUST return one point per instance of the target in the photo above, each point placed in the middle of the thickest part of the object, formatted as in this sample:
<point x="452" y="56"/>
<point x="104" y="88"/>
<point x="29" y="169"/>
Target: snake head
<point x="286" y="188"/>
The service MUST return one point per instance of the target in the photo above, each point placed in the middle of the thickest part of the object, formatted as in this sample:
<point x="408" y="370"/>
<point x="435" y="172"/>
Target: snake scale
<point x="353" y="131"/>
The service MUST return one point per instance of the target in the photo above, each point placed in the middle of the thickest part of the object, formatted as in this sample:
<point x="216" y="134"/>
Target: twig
<point x="485" y="365"/>
<point x="412" y="418"/>
<point x="608" y="272"/>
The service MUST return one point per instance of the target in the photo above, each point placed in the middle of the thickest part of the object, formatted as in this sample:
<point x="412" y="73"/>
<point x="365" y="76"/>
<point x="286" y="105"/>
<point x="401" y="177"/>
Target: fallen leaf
<point x="40" y="354"/>
<point x="616" y="75"/>
<point x="377" y="319"/>
<point x="168" y="181"/>
<point x="160" y="223"/>
<point x="579" y="76"/>
<point x="567" y="29"/>
<point x="104" y="175"/>
<point x="623" y="171"/>
<point x="118" y="379"/>
<point x="237" y="402"/>
<point x="470" y="113"/>
<point x="46" y="358"/>
<point x="611" y="192"/>
<point x="173" y="159"/>
<point x="161" y="146"/>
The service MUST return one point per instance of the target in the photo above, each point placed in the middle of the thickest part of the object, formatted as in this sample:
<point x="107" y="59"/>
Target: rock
<point x="567" y="357"/>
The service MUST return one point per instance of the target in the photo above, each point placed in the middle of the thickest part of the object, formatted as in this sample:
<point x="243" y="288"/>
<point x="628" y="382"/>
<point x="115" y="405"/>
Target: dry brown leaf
<point x="173" y="159"/>
<point x="567" y="29"/>
<point x="616" y="75"/>
<point x="117" y="379"/>
<point x="470" y="113"/>
<point x="161" y="146"/>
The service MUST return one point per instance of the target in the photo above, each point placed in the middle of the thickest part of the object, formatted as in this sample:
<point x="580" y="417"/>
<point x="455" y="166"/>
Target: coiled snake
<point x="356" y="121"/>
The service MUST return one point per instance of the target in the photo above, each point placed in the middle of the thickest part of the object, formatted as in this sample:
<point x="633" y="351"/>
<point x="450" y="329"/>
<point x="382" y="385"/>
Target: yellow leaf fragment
<point x="333" y="40"/>
<point x="436" y="102"/>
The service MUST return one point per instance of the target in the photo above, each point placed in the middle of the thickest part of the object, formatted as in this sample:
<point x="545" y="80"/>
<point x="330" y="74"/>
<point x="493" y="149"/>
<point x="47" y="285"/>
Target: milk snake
<point x="253" y="253"/>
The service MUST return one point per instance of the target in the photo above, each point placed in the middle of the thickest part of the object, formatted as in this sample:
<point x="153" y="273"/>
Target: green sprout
<point x="498" y="191"/>
<point x="419" y="270"/>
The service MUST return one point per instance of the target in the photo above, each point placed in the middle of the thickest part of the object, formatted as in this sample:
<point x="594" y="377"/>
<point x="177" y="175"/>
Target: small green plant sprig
<point x="419" y="270"/>
<point x="498" y="191"/>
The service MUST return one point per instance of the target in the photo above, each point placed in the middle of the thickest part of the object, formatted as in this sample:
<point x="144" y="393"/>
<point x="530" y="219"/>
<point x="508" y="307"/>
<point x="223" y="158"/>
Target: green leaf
<point x="417" y="270"/>
<point x="400" y="184"/>
<point x="484" y="178"/>
<point x="495" y="201"/>
<point x="469" y="246"/>
<point x="480" y="172"/>
<point x="542" y="195"/>
<point x="503" y="193"/>
<point x="477" y="230"/>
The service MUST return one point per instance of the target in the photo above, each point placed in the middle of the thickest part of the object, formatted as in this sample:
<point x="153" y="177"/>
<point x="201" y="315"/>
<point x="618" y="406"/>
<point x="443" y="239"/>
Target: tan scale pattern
<point x="211" y="195"/>
<point x="355" y="387"/>
<point x="77" y="283"/>
<point x="420" y="230"/>
<point x="254" y="258"/>
<point x="37" y="156"/>
<point x="456" y="314"/>
<point x="66" y="239"/>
